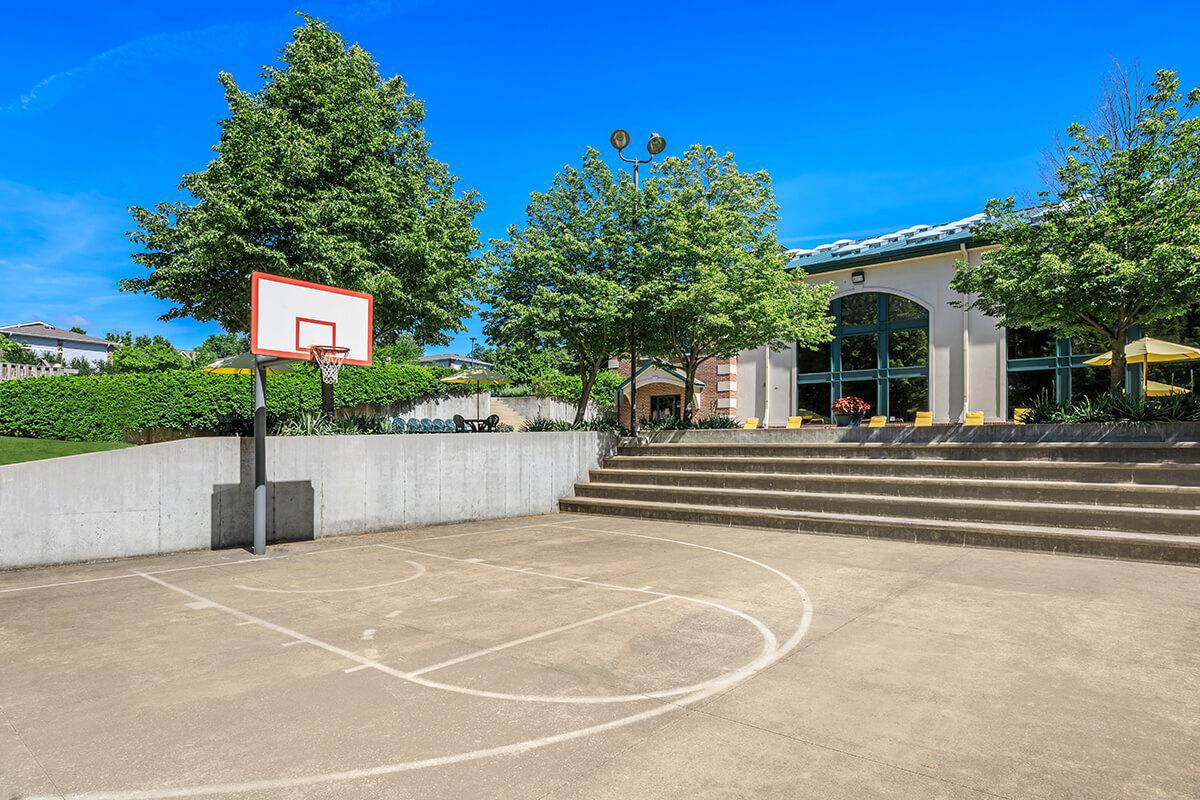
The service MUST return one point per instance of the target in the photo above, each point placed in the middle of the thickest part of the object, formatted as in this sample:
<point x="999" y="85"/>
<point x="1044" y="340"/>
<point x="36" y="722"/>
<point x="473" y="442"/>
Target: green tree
<point x="147" y="354"/>
<point x="323" y="174"/>
<point x="718" y="273"/>
<point x="1115" y="239"/>
<point x="556" y="282"/>
<point x="523" y="364"/>
<point x="404" y="350"/>
<point x="78" y="329"/>
<point x="218" y="346"/>
<point x="15" y="352"/>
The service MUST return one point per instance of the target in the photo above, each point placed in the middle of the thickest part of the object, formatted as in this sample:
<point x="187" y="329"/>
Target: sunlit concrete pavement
<point x="570" y="656"/>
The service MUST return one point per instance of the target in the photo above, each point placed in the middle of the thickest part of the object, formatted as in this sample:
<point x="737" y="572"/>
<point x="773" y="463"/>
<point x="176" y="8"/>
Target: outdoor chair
<point x="491" y="422"/>
<point x="973" y="418"/>
<point x="795" y="422"/>
<point x="877" y="422"/>
<point x="426" y="425"/>
<point x="396" y="425"/>
<point x="751" y="423"/>
<point x="438" y="427"/>
<point x="414" y="425"/>
<point x="924" y="419"/>
<point x="460" y="424"/>
<point x="1019" y="415"/>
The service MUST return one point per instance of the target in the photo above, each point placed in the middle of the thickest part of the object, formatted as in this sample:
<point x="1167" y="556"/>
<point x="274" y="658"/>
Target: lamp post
<point x="654" y="145"/>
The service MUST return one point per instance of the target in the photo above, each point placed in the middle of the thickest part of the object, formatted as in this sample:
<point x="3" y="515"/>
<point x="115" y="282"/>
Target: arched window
<point x="880" y="352"/>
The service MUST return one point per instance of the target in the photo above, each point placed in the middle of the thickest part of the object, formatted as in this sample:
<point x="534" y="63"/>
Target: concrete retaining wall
<point x="196" y="493"/>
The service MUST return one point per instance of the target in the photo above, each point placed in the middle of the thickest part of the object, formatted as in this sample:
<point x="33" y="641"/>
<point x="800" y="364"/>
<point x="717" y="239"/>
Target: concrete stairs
<point x="1131" y="500"/>
<point x="508" y="415"/>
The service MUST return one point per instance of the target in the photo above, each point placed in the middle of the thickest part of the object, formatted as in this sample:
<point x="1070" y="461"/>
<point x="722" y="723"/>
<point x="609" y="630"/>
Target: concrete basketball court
<point x="569" y="656"/>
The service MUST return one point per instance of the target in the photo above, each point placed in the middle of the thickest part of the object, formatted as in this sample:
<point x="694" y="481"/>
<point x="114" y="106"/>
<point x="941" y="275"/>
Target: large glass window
<point x="908" y="348"/>
<point x="1042" y="364"/>
<point x="859" y="352"/>
<point x="813" y="398"/>
<point x="880" y="353"/>
<point x="813" y="360"/>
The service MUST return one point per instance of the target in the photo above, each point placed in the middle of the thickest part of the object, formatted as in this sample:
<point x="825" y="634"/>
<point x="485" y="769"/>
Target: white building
<point x="902" y="346"/>
<point x="46" y="340"/>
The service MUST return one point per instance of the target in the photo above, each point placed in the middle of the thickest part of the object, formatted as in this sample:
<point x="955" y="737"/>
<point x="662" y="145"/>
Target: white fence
<point x="12" y="372"/>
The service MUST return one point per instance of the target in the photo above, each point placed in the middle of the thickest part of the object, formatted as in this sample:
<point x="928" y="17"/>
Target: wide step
<point x="1181" y="522"/>
<point x="1036" y="491"/>
<point x="1125" y="452"/>
<point x="1033" y="470"/>
<point x="1124" y="545"/>
<point x="1118" y="499"/>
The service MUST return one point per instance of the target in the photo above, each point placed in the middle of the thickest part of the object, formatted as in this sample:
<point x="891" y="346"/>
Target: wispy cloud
<point x="157" y="46"/>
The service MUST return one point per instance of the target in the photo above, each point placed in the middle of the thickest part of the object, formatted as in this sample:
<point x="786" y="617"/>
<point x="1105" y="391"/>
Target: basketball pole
<point x="260" y="456"/>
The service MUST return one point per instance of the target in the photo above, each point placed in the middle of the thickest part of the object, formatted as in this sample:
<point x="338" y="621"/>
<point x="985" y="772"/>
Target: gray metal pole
<point x="260" y="458"/>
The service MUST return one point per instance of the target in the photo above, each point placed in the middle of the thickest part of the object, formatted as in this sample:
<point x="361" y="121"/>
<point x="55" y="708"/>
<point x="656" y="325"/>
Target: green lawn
<point x="14" y="449"/>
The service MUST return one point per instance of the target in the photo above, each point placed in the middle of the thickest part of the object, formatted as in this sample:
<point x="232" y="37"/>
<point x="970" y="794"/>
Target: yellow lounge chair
<point x="751" y="423"/>
<point x="973" y="418"/>
<point x="1019" y="415"/>
<point x="795" y="422"/>
<point x="924" y="419"/>
<point x="877" y="422"/>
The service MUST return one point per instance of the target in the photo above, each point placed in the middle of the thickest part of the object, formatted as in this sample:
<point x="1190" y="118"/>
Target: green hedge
<point x="105" y="407"/>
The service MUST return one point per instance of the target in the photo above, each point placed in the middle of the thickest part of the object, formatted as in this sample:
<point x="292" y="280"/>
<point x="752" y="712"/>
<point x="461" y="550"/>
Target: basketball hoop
<point x="329" y="361"/>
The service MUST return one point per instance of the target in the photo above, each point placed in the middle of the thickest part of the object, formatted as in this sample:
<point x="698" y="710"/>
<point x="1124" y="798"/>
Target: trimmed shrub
<point x="1122" y="409"/>
<point x="542" y="425"/>
<point x="105" y="407"/>
<point x="715" y="422"/>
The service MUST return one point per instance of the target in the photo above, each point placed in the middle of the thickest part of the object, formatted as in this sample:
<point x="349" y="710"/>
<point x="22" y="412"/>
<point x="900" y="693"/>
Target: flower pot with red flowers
<point x="849" y="411"/>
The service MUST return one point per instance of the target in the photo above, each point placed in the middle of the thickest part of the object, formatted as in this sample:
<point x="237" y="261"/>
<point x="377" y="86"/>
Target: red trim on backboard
<point x="254" y="348"/>
<point x="310" y="321"/>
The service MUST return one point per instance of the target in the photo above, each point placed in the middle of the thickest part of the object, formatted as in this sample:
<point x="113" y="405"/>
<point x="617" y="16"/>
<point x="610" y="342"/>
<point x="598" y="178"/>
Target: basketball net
<point x="329" y="361"/>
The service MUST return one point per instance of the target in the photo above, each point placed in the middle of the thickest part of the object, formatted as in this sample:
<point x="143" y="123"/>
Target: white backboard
<point x="288" y="316"/>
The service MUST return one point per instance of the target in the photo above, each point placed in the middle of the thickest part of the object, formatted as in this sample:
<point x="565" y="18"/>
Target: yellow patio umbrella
<point x="1157" y="389"/>
<point x="479" y="376"/>
<point x="1148" y="351"/>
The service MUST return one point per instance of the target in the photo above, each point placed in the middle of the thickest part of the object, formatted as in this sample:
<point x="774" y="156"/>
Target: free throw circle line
<point x="420" y="570"/>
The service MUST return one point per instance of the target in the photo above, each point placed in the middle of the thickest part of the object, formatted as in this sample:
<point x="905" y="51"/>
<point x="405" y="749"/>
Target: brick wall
<point x="718" y="397"/>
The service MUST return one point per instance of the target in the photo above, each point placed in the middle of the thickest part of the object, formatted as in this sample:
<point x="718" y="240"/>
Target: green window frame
<point x="1064" y="362"/>
<point x="882" y="372"/>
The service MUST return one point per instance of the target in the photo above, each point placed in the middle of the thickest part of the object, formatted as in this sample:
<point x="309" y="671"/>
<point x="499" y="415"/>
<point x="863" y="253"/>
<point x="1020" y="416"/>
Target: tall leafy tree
<point x="718" y="273"/>
<point x="323" y="174"/>
<point x="1114" y="241"/>
<point x="218" y="346"/>
<point x="556" y="282"/>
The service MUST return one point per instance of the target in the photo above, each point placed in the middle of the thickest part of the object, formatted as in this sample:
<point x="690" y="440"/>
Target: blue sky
<point x="869" y="116"/>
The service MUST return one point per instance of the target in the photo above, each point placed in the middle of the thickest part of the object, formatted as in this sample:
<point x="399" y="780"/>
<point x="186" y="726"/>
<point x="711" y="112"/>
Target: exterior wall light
<point x="858" y="276"/>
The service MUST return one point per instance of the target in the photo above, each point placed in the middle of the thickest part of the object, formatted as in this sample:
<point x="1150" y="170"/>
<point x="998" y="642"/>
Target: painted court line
<point x="770" y="643"/>
<point x="420" y="570"/>
<point x="514" y="748"/>
<point x="536" y="636"/>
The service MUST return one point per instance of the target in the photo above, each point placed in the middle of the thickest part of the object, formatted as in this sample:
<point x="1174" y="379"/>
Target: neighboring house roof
<point x="454" y="357"/>
<point x="41" y="330"/>
<point x="911" y="242"/>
